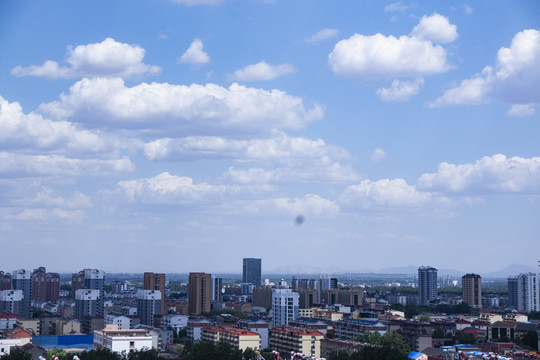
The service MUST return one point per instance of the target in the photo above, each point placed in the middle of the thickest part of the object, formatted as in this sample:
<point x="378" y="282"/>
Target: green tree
<point x="151" y="354"/>
<point x="59" y="353"/>
<point x="102" y="354"/>
<point x="438" y="333"/>
<point x="16" y="354"/>
<point x="393" y="340"/>
<point x="249" y="354"/>
<point x="466" y="338"/>
<point x="424" y="318"/>
<point x="411" y="310"/>
<point x="531" y="339"/>
<point x="379" y="353"/>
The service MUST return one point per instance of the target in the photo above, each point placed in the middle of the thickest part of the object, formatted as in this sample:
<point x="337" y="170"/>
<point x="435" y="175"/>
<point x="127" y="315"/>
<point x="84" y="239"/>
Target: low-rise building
<point x="259" y="326"/>
<point x="329" y="346"/>
<point x="285" y="339"/>
<point x="195" y="327"/>
<point x="122" y="340"/>
<point x="31" y="324"/>
<point x="351" y="328"/>
<point x="236" y="337"/>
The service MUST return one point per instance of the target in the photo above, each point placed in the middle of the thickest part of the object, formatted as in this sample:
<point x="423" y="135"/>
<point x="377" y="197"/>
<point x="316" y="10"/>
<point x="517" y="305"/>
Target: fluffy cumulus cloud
<point x="282" y="149"/>
<point x="436" y="28"/>
<point x="169" y="189"/>
<point x="310" y="204"/>
<point x="107" y="58"/>
<point x="194" y="54"/>
<point x="400" y="90"/>
<point x="323" y="35"/>
<point x="390" y="193"/>
<point x="374" y="57"/>
<point x="163" y="108"/>
<point x="514" y="78"/>
<point x="262" y="71"/>
<point x="32" y="133"/>
<point x="521" y="110"/>
<point x="490" y="174"/>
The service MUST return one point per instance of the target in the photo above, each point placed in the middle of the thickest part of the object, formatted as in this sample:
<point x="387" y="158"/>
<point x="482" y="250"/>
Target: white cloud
<point x="389" y="193"/>
<point x="377" y="57"/>
<point x="468" y="10"/>
<point x="397" y="7"/>
<point x="513" y="79"/>
<point x="310" y="204"/>
<point x="400" y="90"/>
<point x="198" y="2"/>
<point x="378" y="155"/>
<point x="108" y="58"/>
<point x="195" y="54"/>
<point x="521" y="110"/>
<point x="169" y="189"/>
<point x="435" y="28"/>
<point x="12" y="164"/>
<point x="47" y="197"/>
<point x="42" y="214"/>
<point x="282" y="149"/>
<point x="33" y="133"/>
<point x="323" y="35"/>
<point x="171" y="109"/>
<point x="262" y="71"/>
<point x="490" y="174"/>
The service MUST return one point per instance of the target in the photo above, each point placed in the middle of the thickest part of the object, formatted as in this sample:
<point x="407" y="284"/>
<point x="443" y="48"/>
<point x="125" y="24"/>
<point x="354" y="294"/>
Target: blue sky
<point x="185" y="135"/>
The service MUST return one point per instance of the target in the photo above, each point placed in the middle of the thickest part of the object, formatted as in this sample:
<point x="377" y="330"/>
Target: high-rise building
<point x="94" y="279"/>
<point x="5" y="281"/>
<point x="199" y="292"/>
<point x="251" y="271"/>
<point x="77" y="282"/>
<point x="427" y="285"/>
<point x="217" y="286"/>
<point x="148" y="305"/>
<point x="528" y="292"/>
<point x="87" y="303"/>
<point x="513" y="291"/>
<point x="285" y="304"/>
<point x="154" y="281"/>
<point x="471" y="285"/>
<point x="22" y="280"/>
<point x="45" y="286"/>
<point x="11" y="301"/>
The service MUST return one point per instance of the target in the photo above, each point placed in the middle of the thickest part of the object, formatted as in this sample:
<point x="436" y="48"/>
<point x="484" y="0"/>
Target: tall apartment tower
<point x="528" y="292"/>
<point x="94" y="279"/>
<point x="427" y="285"/>
<point x="471" y="285"/>
<point x="285" y="305"/>
<point x="77" y="282"/>
<point x="45" y="286"/>
<point x="22" y="280"/>
<point x="148" y="305"/>
<point x="513" y="291"/>
<point x="154" y="281"/>
<point x="217" y="285"/>
<point x="199" y="293"/>
<point x="5" y="281"/>
<point x="251" y="271"/>
<point x="11" y="301"/>
<point x="87" y="303"/>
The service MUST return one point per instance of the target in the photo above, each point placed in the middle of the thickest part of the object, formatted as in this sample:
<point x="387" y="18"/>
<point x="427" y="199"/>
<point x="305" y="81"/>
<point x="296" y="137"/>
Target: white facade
<point x="122" y="340"/>
<point x="172" y="321"/>
<point x="123" y="322"/>
<point x="11" y="301"/>
<point x="285" y="304"/>
<point x="148" y="305"/>
<point x="7" y="344"/>
<point x="528" y="292"/>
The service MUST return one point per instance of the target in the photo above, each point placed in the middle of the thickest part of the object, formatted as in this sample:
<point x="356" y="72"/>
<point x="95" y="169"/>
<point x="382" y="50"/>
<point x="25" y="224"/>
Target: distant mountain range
<point x="510" y="270"/>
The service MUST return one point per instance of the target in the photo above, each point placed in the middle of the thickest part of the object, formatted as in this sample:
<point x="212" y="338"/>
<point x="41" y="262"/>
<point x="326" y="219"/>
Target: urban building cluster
<point x="313" y="316"/>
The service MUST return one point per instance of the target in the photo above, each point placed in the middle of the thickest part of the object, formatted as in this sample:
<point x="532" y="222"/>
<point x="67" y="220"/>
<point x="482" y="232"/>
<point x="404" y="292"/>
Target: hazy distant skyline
<point x="185" y="135"/>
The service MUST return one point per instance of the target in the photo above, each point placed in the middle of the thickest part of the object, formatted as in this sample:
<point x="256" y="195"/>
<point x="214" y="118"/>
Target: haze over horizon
<point x="185" y="135"/>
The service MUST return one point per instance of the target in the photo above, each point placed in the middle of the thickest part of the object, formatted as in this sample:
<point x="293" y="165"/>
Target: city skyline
<point x="175" y="136"/>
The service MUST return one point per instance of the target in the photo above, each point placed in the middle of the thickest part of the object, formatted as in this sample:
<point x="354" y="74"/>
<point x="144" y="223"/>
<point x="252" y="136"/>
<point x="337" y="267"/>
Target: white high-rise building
<point x="22" y="280"/>
<point x="285" y="304"/>
<point x="11" y="301"/>
<point x="87" y="303"/>
<point x="148" y="305"/>
<point x="217" y="285"/>
<point x="528" y="298"/>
